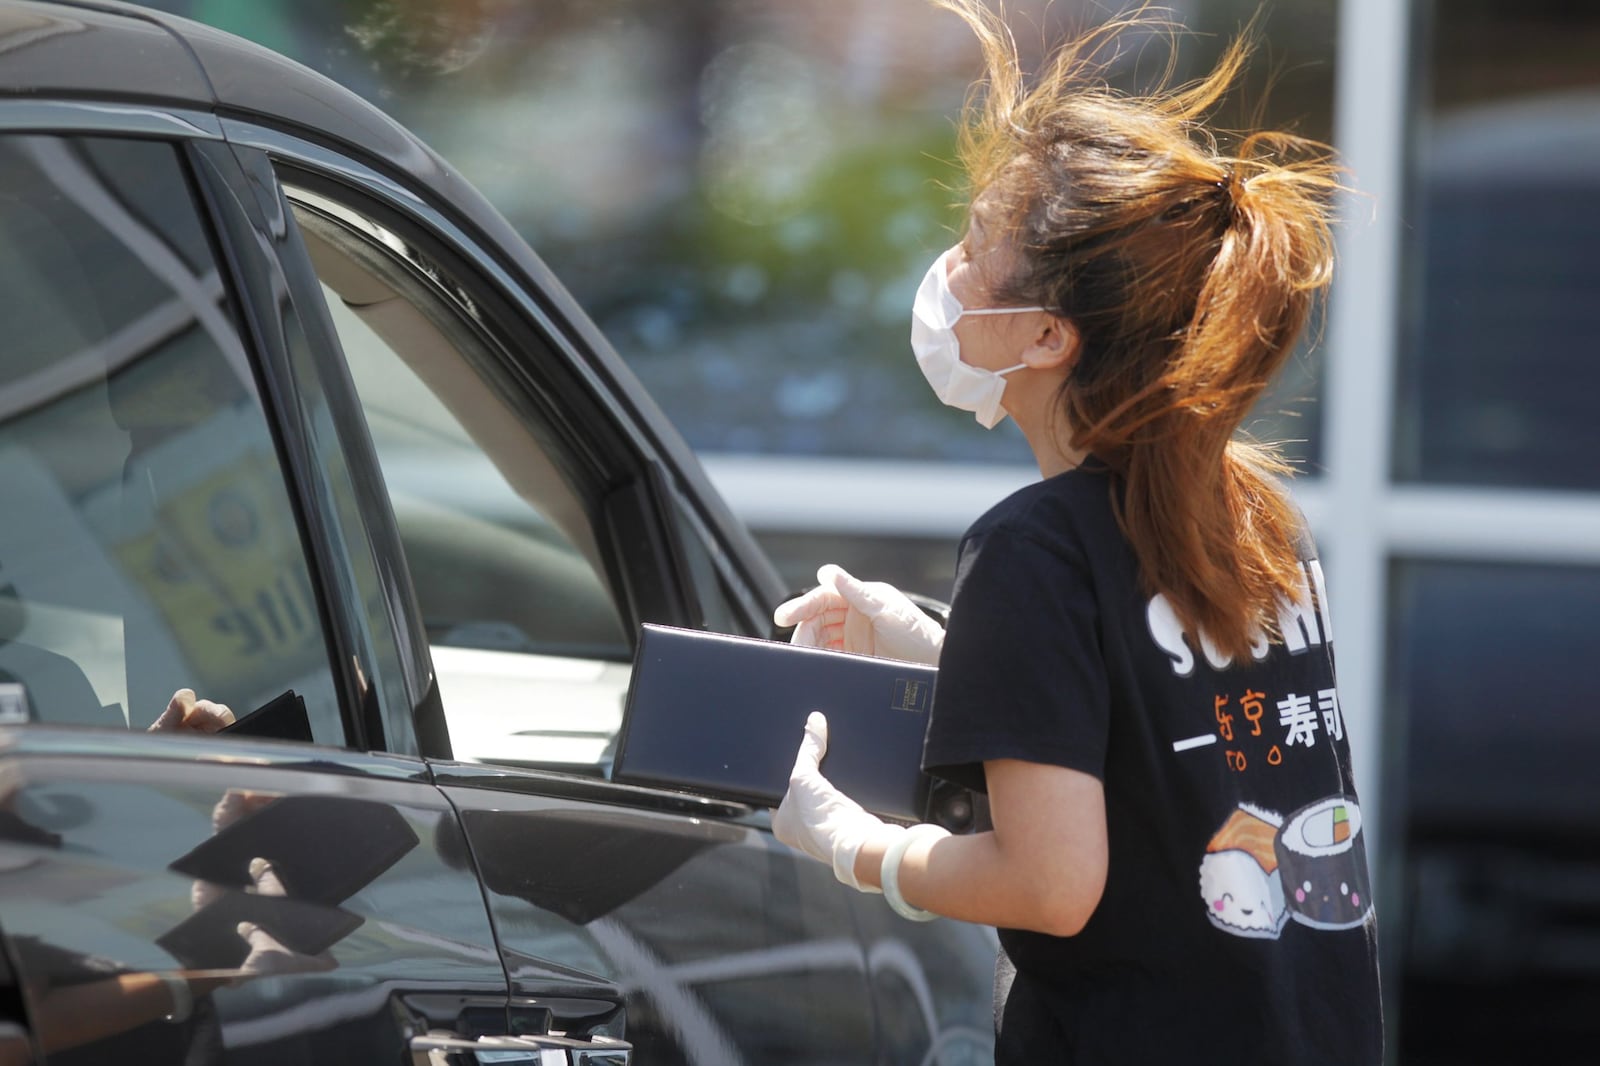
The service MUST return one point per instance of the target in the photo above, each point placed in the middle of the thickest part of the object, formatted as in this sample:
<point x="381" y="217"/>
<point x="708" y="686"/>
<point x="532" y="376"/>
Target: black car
<point x="291" y="418"/>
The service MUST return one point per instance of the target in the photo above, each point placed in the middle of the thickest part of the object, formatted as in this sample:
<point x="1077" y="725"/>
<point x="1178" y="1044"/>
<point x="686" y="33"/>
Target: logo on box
<point x="911" y="695"/>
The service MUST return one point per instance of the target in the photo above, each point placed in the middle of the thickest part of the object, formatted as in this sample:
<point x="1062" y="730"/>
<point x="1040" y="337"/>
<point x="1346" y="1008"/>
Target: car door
<point x="542" y="522"/>
<point x="177" y="517"/>
<point x="535" y="551"/>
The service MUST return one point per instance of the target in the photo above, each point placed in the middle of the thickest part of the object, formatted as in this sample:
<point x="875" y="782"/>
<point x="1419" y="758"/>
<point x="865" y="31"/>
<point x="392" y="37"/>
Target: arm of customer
<point x="1042" y="867"/>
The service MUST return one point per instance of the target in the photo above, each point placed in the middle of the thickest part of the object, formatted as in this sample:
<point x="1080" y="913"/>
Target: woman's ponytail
<point x="1212" y="527"/>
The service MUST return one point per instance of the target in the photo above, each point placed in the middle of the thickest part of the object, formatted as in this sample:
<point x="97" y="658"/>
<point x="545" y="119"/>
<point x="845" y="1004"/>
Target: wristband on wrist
<point x="889" y="873"/>
<point x="182" y="998"/>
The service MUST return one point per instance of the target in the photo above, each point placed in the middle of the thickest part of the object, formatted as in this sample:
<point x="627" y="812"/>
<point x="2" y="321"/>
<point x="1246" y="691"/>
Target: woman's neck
<point x="1049" y="438"/>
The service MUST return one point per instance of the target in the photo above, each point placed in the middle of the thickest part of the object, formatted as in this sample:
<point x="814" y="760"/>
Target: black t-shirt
<point x="1237" y="923"/>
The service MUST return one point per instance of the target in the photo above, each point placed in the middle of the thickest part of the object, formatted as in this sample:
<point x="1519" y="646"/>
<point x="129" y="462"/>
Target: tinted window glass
<point x="1491" y="671"/>
<point x="492" y="570"/>
<point x="1493" y="676"/>
<point x="1497" y="379"/>
<point x="149" y="543"/>
<point x="528" y="643"/>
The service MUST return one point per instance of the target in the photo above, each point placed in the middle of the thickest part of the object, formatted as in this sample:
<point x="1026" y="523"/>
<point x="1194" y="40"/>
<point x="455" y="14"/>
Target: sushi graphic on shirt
<point x="1239" y="877"/>
<point x="1261" y="870"/>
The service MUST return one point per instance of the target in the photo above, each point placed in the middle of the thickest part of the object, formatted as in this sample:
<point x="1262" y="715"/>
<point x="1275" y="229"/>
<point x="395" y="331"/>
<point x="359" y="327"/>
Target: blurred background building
<point x="745" y="193"/>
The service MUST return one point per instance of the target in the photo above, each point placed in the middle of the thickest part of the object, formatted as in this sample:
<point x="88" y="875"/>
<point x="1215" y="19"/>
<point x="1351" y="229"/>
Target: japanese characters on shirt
<point x="1261" y="868"/>
<point x="1299" y="719"/>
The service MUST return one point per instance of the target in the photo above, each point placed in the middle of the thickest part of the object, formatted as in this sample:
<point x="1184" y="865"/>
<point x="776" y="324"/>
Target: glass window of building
<point x="1498" y="371"/>
<point x="1498" y="913"/>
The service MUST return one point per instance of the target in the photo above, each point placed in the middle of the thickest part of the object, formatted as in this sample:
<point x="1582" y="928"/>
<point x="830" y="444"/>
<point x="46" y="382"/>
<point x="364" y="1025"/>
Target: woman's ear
<point x="1055" y="346"/>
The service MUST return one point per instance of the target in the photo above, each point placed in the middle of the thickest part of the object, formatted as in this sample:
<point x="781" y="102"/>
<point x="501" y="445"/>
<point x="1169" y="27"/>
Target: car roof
<point x="118" y="52"/>
<point x="56" y="50"/>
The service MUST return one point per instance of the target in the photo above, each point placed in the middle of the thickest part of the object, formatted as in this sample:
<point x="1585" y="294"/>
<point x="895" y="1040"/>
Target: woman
<point x="1138" y="668"/>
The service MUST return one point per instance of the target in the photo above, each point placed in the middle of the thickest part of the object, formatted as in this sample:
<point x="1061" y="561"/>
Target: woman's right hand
<point x="866" y="617"/>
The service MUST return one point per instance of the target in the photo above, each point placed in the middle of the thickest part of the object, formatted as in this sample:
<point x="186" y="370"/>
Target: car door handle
<point x="447" y="1049"/>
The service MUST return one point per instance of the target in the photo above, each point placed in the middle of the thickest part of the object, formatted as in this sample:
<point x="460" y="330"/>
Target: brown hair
<point x="1189" y="274"/>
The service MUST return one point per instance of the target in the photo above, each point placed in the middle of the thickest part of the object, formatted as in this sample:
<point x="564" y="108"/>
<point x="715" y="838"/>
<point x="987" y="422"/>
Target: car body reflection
<point x="351" y="907"/>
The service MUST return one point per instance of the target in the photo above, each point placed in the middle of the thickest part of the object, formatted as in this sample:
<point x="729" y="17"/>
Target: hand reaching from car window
<point x="186" y="713"/>
<point x="865" y="617"/>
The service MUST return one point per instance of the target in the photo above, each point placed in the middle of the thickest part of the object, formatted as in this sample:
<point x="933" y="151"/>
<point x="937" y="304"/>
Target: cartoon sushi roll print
<point x="1322" y="859"/>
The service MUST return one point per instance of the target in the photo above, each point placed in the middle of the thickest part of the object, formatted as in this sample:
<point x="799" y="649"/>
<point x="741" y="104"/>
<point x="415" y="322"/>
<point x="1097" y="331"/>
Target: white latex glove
<point x="821" y="821"/>
<point x="866" y="617"/>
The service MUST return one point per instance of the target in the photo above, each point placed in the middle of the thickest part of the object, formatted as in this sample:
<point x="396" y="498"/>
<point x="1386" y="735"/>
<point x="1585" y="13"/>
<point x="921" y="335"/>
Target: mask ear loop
<point x="1002" y="311"/>
<point x="998" y="310"/>
<point x="944" y="288"/>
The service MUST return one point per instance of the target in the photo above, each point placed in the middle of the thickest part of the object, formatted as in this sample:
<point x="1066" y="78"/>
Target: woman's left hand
<point x="865" y="617"/>
<point x="821" y="821"/>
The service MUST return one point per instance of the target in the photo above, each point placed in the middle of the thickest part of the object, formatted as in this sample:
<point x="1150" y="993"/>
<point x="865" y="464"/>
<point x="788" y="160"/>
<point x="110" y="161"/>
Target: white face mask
<point x="933" y="340"/>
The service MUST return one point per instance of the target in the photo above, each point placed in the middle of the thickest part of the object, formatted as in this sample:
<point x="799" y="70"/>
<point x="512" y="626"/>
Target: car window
<point x="528" y="642"/>
<point x="149" y="542"/>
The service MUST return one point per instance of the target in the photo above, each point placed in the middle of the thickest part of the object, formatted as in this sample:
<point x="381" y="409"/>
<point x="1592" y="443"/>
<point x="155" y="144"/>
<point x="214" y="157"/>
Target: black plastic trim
<point x="643" y="563"/>
<point x="405" y="625"/>
<point x="587" y="789"/>
<point x="227" y="213"/>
